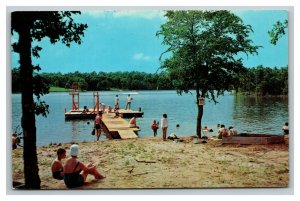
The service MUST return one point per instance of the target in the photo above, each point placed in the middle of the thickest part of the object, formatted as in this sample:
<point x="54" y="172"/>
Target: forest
<point x="258" y="80"/>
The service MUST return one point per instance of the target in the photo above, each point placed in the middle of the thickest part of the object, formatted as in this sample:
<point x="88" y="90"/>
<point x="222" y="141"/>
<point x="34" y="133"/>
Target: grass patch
<point x="58" y="89"/>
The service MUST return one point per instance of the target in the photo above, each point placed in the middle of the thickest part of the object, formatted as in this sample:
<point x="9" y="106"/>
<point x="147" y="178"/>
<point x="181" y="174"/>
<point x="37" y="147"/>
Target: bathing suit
<point x="73" y="179"/>
<point x="98" y="126"/>
<point x="57" y="175"/>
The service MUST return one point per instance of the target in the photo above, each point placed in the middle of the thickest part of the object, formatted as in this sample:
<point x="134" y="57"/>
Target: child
<point x="57" y="167"/>
<point x="154" y="127"/>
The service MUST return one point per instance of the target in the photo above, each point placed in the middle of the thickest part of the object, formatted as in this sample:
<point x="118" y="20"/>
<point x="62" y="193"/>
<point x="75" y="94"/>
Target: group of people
<point x="164" y="126"/>
<point x="128" y="102"/>
<point x="224" y="132"/>
<point x="73" y="172"/>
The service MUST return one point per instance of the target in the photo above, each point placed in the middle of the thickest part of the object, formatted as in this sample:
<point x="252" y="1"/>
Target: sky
<point x="125" y="40"/>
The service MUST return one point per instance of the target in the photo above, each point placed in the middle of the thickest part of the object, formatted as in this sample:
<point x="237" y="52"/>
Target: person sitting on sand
<point x="223" y="132"/>
<point x="57" y="167"/>
<point x="232" y="131"/>
<point x="132" y="122"/>
<point x="285" y="128"/>
<point x="15" y="141"/>
<point x="75" y="172"/>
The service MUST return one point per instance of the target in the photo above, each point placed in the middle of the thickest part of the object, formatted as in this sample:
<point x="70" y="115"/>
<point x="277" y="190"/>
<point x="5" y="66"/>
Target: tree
<point x="34" y="26"/>
<point x="204" y="52"/>
<point x="278" y="30"/>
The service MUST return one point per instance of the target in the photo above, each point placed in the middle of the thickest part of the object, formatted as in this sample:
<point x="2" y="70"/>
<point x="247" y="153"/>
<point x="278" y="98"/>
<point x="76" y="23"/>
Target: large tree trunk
<point x="32" y="179"/>
<point x="200" y="111"/>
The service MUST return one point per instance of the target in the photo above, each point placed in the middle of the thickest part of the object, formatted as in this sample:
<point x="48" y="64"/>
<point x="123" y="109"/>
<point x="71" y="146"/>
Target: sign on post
<point x="201" y="101"/>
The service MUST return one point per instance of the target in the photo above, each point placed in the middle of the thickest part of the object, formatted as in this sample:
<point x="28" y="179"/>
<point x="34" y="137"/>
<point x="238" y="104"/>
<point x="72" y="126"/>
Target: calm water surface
<point x="247" y="114"/>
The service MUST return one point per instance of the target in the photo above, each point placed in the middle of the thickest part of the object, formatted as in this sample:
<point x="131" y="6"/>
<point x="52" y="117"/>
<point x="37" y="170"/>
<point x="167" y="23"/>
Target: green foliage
<point x="260" y="81"/>
<point x="102" y="81"/>
<point x="264" y="81"/>
<point x="279" y="29"/>
<point x="204" y="52"/>
<point x="205" y="49"/>
<point x="34" y="26"/>
<point x="58" y="89"/>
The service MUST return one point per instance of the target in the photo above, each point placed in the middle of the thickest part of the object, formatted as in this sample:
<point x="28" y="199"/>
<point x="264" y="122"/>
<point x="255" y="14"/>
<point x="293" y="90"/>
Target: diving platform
<point x="91" y="114"/>
<point x="117" y="127"/>
<point x="79" y="114"/>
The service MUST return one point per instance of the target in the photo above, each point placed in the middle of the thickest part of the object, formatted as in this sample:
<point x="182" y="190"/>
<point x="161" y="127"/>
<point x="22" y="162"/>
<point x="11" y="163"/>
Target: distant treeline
<point x="259" y="80"/>
<point x="264" y="81"/>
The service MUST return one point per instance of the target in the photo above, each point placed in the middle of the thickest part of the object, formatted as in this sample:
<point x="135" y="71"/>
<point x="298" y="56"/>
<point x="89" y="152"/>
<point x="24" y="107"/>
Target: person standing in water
<point x="164" y="126"/>
<point x="117" y="104"/>
<point x="98" y="124"/>
<point x="154" y="127"/>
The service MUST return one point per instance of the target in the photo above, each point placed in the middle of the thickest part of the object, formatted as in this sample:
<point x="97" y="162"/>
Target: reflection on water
<point x="247" y="114"/>
<point x="260" y="115"/>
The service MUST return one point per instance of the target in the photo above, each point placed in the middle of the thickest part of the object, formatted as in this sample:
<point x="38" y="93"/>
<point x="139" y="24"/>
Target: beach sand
<point x="153" y="163"/>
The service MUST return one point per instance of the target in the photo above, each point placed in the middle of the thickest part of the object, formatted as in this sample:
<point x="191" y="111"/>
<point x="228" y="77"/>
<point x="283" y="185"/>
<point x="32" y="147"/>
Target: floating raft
<point x="118" y="127"/>
<point x="247" y="138"/>
<point x="130" y="113"/>
<point x="79" y="114"/>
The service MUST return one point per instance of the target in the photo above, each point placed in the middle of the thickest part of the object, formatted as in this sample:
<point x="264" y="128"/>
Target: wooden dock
<point x="79" y="114"/>
<point x="118" y="127"/>
<point x="130" y="113"/>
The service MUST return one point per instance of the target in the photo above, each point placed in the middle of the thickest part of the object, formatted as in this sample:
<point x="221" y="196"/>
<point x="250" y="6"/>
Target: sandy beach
<point x="153" y="163"/>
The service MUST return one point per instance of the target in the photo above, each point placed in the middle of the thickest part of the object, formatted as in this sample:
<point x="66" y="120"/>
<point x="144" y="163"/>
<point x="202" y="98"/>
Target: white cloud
<point x="141" y="56"/>
<point x="146" y="14"/>
<point x="96" y="13"/>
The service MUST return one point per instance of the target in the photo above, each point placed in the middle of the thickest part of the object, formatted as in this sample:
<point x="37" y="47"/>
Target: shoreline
<point x="151" y="163"/>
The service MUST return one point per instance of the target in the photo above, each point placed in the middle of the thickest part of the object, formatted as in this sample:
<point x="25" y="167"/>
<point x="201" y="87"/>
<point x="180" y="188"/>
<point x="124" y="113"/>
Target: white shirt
<point x="164" y="122"/>
<point x="233" y="131"/>
<point x="128" y="99"/>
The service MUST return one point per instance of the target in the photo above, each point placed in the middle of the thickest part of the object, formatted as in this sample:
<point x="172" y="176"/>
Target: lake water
<point x="247" y="114"/>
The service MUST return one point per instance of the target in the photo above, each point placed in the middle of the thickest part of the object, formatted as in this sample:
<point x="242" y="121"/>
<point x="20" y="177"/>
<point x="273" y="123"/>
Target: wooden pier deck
<point x="79" y="114"/>
<point x="118" y="127"/>
<point x="130" y="113"/>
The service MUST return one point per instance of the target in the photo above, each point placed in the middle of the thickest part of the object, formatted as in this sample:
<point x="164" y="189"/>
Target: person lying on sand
<point x="172" y="136"/>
